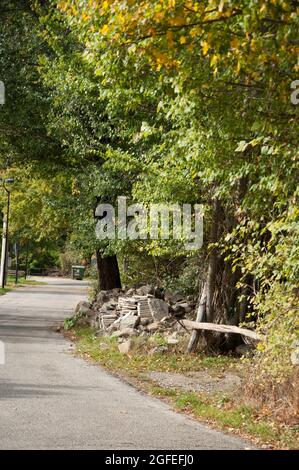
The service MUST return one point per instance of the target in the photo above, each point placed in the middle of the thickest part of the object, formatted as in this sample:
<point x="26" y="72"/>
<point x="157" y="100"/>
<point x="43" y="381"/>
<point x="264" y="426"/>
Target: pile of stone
<point x="141" y="311"/>
<point x="131" y="311"/>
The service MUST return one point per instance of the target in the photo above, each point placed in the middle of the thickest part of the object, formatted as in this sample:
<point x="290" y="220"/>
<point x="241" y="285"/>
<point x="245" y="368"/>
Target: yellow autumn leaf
<point x="85" y="17"/>
<point x="234" y="43"/>
<point x="263" y="8"/>
<point x="105" y="5"/>
<point x="195" y="31"/>
<point x="183" y="40"/>
<point x="104" y="29"/>
<point x="177" y="21"/>
<point x="214" y="60"/>
<point x="205" y="47"/>
<point x="253" y="45"/>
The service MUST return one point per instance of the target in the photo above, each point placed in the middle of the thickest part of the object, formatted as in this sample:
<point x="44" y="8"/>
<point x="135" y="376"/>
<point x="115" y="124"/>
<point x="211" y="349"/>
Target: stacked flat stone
<point x="143" y="308"/>
<point x="107" y="315"/>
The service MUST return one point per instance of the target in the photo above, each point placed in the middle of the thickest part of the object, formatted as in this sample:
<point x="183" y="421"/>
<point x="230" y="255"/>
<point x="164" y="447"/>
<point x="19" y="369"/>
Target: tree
<point x="200" y="60"/>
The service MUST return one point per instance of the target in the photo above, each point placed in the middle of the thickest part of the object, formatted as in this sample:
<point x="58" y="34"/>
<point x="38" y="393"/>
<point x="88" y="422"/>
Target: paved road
<point x="52" y="400"/>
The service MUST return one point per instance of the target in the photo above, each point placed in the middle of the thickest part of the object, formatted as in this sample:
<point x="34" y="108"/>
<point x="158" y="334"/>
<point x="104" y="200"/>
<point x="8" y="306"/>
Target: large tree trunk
<point x="206" y="308"/>
<point x="108" y="272"/>
<point x="200" y="317"/>
<point x="213" y="265"/>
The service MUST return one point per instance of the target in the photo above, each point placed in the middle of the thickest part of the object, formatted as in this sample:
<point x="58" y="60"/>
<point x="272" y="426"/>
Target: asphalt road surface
<point x="51" y="400"/>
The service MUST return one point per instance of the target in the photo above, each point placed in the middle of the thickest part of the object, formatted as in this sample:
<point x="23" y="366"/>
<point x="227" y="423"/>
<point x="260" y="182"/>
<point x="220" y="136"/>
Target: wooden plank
<point x="193" y="325"/>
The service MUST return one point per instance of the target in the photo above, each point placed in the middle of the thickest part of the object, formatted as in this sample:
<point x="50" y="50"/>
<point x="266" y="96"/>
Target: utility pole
<point x="17" y="261"/>
<point x="26" y="261"/>
<point x="3" y="252"/>
<point x="4" y="248"/>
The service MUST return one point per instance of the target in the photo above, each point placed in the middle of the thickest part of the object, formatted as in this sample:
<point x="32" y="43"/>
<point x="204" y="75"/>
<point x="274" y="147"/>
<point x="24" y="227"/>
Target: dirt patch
<point x="200" y="381"/>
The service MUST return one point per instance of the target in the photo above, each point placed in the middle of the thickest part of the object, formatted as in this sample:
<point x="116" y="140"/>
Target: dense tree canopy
<point x="163" y="101"/>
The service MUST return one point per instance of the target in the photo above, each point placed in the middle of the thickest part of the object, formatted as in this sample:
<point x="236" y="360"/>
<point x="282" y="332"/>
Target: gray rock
<point x="145" y="290"/>
<point x="94" y="323"/>
<point x="172" y="297"/>
<point x="171" y="338"/>
<point x="159" y="350"/>
<point x="185" y="306"/>
<point x="295" y="357"/>
<point x="125" y="333"/>
<point x="125" y="347"/>
<point x="129" y="321"/>
<point x="190" y="298"/>
<point x="84" y="308"/>
<point x="130" y="292"/>
<point x="244" y="350"/>
<point x="82" y="321"/>
<point x="159" y="308"/>
<point x="178" y="310"/>
<point x="102" y="297"/>
<point x="145" y="321"/>
<point x="113" y="327"/>
<point x="152" y="327"/>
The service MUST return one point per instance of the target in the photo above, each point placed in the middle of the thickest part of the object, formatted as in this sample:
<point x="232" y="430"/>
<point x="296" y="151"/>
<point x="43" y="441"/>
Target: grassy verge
<point x="223" y="411"/>
<point x="22" y="282"/>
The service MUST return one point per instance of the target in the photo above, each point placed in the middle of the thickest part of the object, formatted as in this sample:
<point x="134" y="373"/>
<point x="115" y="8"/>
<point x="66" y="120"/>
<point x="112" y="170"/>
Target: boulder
<point x="145" y="321"/>
<point x="185" y="306"/>
<point x="172" y="297"/>
<point x="244" y="350"/>
<point x="125" y="333"/>
<point x="159" y="308"/>
<point x="113" y="327"/>
<point x="125" y="347"/>
<point x="295" y="357"/>
<point x="130" y="292"/>
<point x="159" y="350"/>
<point x="102" y="297"/>
<point x="171" y="338"/>
<point x="152" y="327"/>
<point x="82" y="321"/>
<point x="84" y="308"/>
<point x="129" y="321"/>
<point x="145" y="290"/>
<point x="178" y="310"/>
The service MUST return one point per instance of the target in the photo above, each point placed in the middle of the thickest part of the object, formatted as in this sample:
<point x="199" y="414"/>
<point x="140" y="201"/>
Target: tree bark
<point x="212" y="263"/>
<point x="200" y="317"/>
<point x="108" y="272"/>
<point x="206" y="308"/>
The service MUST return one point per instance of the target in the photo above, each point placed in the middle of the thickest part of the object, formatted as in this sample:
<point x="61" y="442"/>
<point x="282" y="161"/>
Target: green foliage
<point x="70" y="322"/>
<point x="162" y="101"/>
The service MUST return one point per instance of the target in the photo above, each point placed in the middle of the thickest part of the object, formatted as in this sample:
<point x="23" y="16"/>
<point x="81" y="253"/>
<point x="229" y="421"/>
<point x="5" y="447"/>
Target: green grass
<point x="21" y="283"/>
<point x="226" y="412"/>
<point x="5" y="290"/>
<point x="140" y="360"/>
<point x="227" y="415"/>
